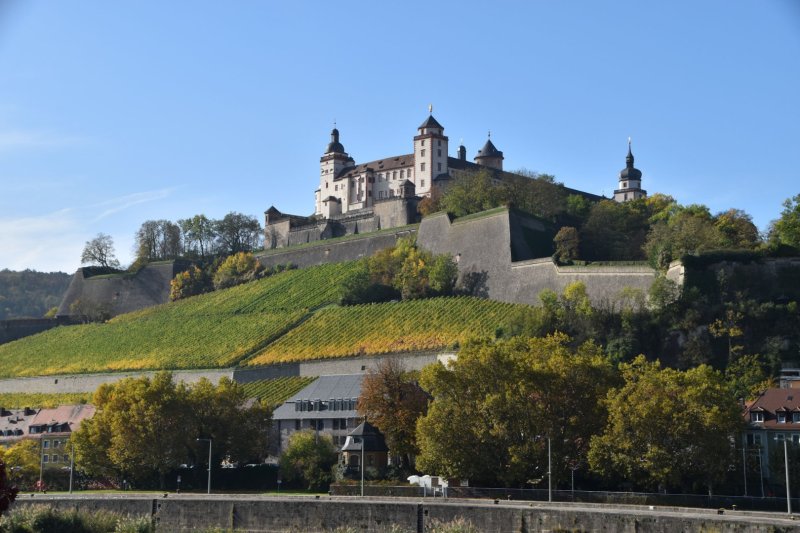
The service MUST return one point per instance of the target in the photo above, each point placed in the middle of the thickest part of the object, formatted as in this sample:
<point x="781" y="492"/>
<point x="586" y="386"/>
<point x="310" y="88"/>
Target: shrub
<point x="237" y="269"/>
<point x="189" y="283"/>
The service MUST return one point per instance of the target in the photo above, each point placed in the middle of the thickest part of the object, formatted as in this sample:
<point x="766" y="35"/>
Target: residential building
<point x="14" y="425"/>
<point x="53" y="427"/>
<point x="771" y="419"/>
<point x="326" y="406"/>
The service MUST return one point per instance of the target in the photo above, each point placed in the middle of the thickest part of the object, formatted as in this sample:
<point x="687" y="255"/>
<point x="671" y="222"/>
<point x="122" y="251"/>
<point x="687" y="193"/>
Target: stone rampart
<point x="11" y="330"/>
<point x="122" y="293"/>
<point x="336" y="250"/>
<point x="325" y="514"/>
<point x="491" y="256"/>
<point x="77" y="383"/>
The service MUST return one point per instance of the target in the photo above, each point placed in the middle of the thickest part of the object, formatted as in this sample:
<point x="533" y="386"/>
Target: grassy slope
<point x="279" y="319"/>
<point x="208" y="331"/>
<point x="383" y="328"/>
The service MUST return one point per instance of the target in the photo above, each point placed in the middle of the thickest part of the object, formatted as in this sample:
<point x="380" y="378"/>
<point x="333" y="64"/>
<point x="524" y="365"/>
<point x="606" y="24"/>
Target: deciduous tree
<point x="308" y="460"/>
<point x="147" y="426"/>
<point x="157" y="240"/>
<point x="237" y="233"/>
<point x="236" y="269"/>
<point x="786" y="230"/>
<point x="189" y="283"/>
<point x="392" y="400"/>
<point x="567" y="245"/>
<point x="198" y="236"/>
<point x="497" y="403"/>
<point x="100" y="251"/>
<point x="667" y="427"/>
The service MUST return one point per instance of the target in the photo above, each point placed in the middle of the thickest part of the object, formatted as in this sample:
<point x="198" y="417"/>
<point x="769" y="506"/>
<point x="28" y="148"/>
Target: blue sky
<point x="113" y="113"/>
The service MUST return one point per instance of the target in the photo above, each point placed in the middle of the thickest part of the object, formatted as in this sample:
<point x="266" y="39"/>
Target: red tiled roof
<point x="773" y="401"/>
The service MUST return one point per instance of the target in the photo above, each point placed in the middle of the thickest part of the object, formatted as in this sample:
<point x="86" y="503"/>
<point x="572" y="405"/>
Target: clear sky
<point x="113" y="113"/>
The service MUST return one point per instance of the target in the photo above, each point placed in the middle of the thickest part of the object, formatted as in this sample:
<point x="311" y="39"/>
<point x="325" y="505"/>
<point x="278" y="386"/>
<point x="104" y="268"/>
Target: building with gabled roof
<point x="53" y="427"/>
<point x="327" y="406"/>
<point x="14" y="424"/>
<point x="771" y="419"/>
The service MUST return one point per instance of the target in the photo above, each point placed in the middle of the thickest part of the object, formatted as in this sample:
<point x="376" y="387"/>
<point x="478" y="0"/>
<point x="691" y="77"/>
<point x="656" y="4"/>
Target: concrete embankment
<point x="309" y="514"/>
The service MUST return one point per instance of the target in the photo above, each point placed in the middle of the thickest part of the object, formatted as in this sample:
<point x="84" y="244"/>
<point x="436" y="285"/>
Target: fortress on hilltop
<point x="360" y="198"/>
<point x="503" y="254"/>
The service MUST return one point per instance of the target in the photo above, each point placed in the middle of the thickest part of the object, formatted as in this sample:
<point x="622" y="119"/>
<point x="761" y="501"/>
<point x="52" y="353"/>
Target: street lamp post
<point x="71" y="464"/>
<point x="209" y="461"/>
<point x="786" y="464"/>
<point x="549" y="473"/>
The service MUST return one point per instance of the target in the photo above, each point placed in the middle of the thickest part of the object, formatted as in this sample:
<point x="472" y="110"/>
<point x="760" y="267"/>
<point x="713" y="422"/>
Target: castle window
<point x="439" y="152"/>
<point x="335" y="187"/>
<point x="422" y="153"/>
<point x="439" y="165"/>
<point x="422" y="167"/>
<point x="422" y="183"/>
<point x="423" y="142"/>
<point x="625" y="185"/>
<point x="440" y="143"/>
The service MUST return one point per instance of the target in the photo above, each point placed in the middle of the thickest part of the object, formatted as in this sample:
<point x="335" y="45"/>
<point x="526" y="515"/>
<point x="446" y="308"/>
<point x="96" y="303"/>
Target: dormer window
<point x="757" y="416"/>
<point x="781" y="417"/>
<point x="795" y="417"/>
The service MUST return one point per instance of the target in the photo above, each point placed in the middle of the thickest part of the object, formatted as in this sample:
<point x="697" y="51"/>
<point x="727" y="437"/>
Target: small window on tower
<point x="422" y="153"/>
<point x="440" y="143"/>
<point x="439" y="152"/>
<point x="422" y="183"/>
<point x="422" y="167"/>
<point x="439" y="165"/>
<point x="625" y="185"/>
<point x="423" y="142"/>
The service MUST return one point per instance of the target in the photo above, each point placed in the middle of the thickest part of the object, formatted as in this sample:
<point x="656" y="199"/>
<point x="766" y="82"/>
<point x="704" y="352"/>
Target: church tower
<point x="630" y="181"/>
<point x="430" y="154"/>
<point x="489" y="155"/>
<point x="331" y="164"/>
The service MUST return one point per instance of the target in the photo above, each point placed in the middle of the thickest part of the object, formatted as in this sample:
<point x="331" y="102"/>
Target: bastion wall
<point x="122" y="293"/>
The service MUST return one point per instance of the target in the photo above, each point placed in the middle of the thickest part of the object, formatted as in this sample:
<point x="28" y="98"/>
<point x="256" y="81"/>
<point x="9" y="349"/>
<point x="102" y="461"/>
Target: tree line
<point x="656" y="229"/>
<point x="197" y="238"/>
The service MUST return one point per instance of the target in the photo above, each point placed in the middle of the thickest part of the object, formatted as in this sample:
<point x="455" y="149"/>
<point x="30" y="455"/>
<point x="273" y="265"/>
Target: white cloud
<point x="122" y="203"/>
<point x="54" y="241"/>
<point x="11" y="140"/>
<point x="48" y="242"/>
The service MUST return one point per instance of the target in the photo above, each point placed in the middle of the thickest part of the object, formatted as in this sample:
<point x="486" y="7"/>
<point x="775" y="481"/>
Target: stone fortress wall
<point x="497" y="254"/>
<point x="497" y="260"/>
<point x="122" y="293"/>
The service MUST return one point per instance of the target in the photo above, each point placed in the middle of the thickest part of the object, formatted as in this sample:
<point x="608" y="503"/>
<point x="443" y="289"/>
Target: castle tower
<point x="630" y="180"/>
<point x="489" y="155"/>
<point x="331" y="164"/>
<point x="430" y="154"/>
